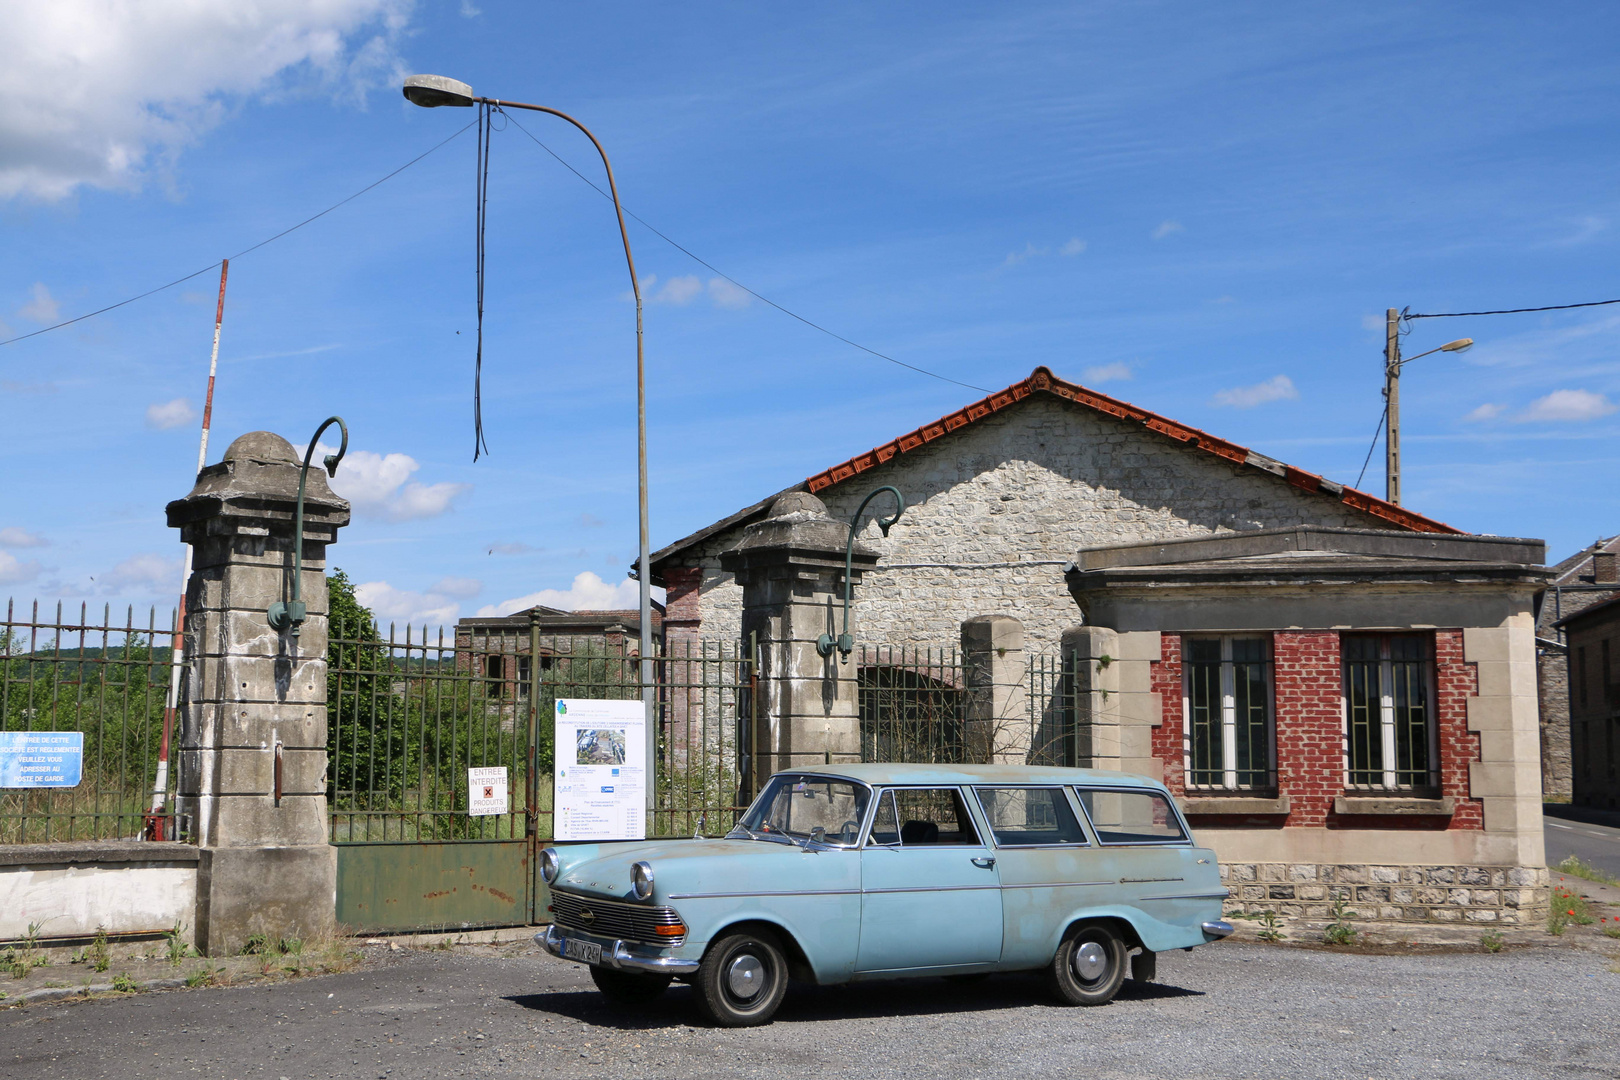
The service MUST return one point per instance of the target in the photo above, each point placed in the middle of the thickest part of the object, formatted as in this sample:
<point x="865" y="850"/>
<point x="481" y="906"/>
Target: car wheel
<point x="742" y="980"/>
<point x="1089" y="966"/>
<point x="628" y="988"/>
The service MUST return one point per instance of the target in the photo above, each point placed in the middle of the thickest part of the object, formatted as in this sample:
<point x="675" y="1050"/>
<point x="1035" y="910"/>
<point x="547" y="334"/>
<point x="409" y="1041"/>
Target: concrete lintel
<point x="97" y="852"/>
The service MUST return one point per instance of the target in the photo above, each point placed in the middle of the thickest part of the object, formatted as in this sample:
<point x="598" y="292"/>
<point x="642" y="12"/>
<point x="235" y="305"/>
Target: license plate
<point x="587" y="951"/>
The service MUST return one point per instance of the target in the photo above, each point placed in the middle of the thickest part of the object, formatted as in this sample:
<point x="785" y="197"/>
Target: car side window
<point x="1023" y="817"/>
<point x="885" y="824"/>
<point x="1131" y="817"/>
<point x="932" y="817"/>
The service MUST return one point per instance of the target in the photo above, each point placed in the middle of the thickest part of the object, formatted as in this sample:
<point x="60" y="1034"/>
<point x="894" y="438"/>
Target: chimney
<point x="1604" y="570"/>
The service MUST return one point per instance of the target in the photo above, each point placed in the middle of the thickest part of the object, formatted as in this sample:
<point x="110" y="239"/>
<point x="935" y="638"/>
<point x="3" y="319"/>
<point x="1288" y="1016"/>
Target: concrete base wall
<point x="286" y="892"/>
<point x="73" y="890"/>
<point x="1506" y="895"/>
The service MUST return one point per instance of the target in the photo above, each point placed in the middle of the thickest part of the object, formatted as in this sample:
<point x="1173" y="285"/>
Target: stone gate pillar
<point x="791" y="569"/>
<point x="997" y="718"/>
<point x="252" y="741"/>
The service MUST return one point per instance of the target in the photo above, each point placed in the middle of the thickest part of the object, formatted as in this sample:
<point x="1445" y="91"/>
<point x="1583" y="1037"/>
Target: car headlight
<point x="641" y="880"/>
<point x="550" y="865"/>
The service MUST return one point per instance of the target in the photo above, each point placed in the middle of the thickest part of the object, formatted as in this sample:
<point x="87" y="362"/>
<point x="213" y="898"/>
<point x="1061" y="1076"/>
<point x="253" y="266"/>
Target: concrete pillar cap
<point x="260" y="446"/>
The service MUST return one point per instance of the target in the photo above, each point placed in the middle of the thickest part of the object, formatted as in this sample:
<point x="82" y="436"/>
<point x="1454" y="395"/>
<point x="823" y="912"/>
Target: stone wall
<point x="1029" y="486"/>
<point x="1391" y="893"/>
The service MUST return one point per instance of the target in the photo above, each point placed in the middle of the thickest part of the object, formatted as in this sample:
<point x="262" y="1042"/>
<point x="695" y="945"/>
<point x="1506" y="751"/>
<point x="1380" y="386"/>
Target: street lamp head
<point x="431" y="91"/>
<point x="1460" y="345"/>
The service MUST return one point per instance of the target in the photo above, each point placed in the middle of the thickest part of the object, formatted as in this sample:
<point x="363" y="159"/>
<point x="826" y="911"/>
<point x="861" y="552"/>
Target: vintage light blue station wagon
<point x="861" y="872"/>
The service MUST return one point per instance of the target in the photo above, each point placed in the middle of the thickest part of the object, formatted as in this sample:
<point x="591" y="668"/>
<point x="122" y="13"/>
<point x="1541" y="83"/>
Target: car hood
<point x="684" y="866"/>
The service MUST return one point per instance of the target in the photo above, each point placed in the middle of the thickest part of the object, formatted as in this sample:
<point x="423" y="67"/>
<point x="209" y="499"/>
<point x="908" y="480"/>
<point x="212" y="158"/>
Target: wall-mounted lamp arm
<point x="845" y="644"/>
<point x="290" y="615"/>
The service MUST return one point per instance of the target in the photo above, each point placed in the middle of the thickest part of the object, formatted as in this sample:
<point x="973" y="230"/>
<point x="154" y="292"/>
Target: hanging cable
<point x="1378" y="431"/>
<point x="1511" y="311"/>
<point x="481" y="185"/>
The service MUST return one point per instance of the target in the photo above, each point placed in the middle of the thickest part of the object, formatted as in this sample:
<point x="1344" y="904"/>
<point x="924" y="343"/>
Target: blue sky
<point x="1203" y="209"/>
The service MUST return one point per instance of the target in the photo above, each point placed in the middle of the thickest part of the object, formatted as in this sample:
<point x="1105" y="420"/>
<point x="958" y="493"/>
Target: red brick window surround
<point x="1228" y="734"/>
<point x="1391" y="740"/>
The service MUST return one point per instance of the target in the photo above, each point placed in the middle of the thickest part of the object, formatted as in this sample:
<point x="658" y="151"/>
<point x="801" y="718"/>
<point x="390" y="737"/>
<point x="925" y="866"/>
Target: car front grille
<point x="614" y="918"/>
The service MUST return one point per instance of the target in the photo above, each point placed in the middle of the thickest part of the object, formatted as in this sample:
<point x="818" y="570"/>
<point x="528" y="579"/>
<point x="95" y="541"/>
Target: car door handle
<point x="987" y="863"/>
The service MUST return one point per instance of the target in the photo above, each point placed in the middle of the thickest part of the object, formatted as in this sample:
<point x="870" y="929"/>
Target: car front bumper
<point x="616" y="954"/>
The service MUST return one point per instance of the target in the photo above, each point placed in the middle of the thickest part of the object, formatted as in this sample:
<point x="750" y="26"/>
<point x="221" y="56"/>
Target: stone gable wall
<point x="1031" y="485"/>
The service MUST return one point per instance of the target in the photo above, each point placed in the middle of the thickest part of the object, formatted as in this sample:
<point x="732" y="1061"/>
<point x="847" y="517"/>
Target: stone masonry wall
<point x="1028" y="485"/>
<point x="1476" y="894"/>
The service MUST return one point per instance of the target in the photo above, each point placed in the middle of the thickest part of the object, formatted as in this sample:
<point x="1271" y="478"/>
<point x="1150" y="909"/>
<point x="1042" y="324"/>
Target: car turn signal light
<point x="677" y="930"/>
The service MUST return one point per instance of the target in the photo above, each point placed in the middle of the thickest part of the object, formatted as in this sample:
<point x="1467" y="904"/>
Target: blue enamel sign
<point x="41" y="759"/>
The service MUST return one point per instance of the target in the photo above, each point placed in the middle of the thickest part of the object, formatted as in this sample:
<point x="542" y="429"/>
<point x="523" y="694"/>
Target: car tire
<point x="628" y="988"/>
<point x="742" y="980"/>
<point x="1089" y="966"/>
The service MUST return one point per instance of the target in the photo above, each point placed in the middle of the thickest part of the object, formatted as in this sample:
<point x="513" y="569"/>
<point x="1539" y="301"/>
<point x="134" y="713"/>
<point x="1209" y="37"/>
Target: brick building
<point x="1336" y="709"/>
<point x="499" y="649"/>
<point x="1593" y="637"/>
<point x="1587" y="578"/>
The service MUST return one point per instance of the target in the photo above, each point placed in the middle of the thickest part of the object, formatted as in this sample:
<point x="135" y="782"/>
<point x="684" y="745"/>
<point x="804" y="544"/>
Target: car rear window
<point x="1131" y="817"/>
<point x="1021" y="817"/>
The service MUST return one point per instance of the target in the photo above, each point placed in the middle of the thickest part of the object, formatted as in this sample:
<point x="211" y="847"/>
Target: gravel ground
<point x="1229" y="1010"/>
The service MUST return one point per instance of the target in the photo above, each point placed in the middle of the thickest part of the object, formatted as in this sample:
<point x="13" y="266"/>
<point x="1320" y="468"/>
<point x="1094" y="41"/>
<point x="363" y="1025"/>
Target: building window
<point x="495" y="672"/>
<point x="1228" y="713"/>
<point x="1389" y="706"/>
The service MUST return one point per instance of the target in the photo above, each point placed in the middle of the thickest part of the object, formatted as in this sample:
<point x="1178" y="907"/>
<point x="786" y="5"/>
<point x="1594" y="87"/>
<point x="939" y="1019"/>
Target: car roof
<point x="978" y="774"/>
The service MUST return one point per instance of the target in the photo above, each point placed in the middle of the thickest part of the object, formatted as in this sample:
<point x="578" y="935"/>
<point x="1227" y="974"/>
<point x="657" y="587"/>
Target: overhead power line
<point x="215" y="264"/>
<point x="721" y="273"/>
<point x="1512" y="311"/>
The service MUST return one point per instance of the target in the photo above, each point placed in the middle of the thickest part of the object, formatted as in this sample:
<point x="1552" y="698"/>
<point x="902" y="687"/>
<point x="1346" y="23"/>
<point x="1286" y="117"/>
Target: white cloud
<point x="1166" y="228"/>
<point x="588" y="593"/>
<point x="459" y="587"/>
<point x="14" y="571"/>
<point x="1572" y="405"/>
<point x="143" y="573"/>
<point x="13" y="537"/>
<point x="1277" y="388"/>
<point x="590" y="521"/>
<point x="164" y="415"/>
<point x="726" y="295"/>
<point x="1374" y="322"/>
<point x="1030" y="251"/>
<point x="679" y="291"/>
<point x="392" y="605"/>
<point x="1486" y="411"/>
<point x="468" y="11"/>
<point x="380" y="485"/>
<point x="1115" y="372"/>
<point x="1075" y="246"/>
<point x="42" y="308"/>
<point x="96" y="90"/>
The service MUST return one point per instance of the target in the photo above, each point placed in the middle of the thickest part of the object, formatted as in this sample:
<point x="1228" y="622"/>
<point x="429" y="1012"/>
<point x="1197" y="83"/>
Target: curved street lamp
<point x="1392" y="398"/>
<point x="290" y="615"/>
<point x="845" y="642"/>
<point x="435" y="91"/>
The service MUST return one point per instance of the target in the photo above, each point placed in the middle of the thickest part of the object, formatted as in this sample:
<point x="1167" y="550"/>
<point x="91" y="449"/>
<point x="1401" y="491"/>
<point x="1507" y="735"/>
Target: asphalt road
<point x="1228" y="1010"/>
<point x="1597" y="845"/>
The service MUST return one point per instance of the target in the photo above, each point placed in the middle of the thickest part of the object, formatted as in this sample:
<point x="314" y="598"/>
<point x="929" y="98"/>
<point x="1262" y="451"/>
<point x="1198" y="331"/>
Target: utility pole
<point x="1392" y="405"/>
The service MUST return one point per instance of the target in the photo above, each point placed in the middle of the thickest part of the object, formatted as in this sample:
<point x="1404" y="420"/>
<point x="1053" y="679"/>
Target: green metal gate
<point x="409" y="716"/>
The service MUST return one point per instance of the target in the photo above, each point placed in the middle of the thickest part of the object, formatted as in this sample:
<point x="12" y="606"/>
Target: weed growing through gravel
<point x="177" y="949"/>
<point x="203" y="976"/>
<point x="1491" y="941"/>
<point x="100" y="955"/>
<point x="1574" y="867"/>
<point x="1339" y="931"/>
<point x="1567" y="907"/>
<point x="1270" y="928"/>
<point x="124" y="984"/>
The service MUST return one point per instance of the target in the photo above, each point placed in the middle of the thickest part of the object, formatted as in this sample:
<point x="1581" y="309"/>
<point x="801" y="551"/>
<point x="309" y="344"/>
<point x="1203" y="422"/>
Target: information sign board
<point x="486" y="791"/>
<point x="600" y="771"/>
<point x="41" y="759"/>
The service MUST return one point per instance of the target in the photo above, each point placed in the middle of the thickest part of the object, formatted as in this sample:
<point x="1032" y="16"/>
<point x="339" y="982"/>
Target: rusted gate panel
<point x="426" y="887"/>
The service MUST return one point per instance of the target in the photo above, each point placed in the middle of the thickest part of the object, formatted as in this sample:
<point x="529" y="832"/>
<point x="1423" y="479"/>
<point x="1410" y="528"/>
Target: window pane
<point x="1248" y="650"/>
<point x="1204" y="712"/>
<point x="1363" y="714"/>
<point x="1204" y="650"/>
<point x="1410" y="693"/>
<point x="809" y="807"/>
<point x="1361" y="648"/>
<point x="1250" y="704"/>
<point x="885" y="824"/>
<point x="1030" y="816"/>
<point x="933" y="816"/>
<point x="1131" y="817"/>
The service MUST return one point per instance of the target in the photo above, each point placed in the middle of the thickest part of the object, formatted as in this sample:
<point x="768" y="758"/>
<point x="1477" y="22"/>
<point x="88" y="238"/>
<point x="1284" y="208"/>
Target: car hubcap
<point x="1090" y="961"/>
<point x="746" y="976"/>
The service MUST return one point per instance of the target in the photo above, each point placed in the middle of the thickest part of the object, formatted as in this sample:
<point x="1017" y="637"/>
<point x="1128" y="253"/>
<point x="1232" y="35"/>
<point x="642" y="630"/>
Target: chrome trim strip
<point x="931" y="888"/>
<point x="1222" y="895"/>
<point x="616" y="955"/>
<point x="1146" y="880"/>
<point x="762" y="892"/>
<point x="1054" y="884"/>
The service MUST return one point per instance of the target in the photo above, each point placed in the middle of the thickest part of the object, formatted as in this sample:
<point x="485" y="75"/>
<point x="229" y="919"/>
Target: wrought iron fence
<point x="409" y="716"/>
<point x="912" y="704"/>
<point x="104" y="679"/>
<point x="1055" y="733"/>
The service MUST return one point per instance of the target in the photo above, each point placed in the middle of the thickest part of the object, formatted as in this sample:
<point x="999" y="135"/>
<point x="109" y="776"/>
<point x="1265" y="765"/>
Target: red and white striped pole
<point x="160" y="784"/>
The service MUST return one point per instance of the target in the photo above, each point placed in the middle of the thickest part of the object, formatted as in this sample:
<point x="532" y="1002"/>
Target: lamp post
<point x="1392" y="397"/>
<point x="433" y="91"/>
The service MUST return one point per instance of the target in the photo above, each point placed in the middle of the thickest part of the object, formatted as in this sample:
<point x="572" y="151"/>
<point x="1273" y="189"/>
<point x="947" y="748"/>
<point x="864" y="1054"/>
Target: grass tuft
<point x="1574" y="867"/>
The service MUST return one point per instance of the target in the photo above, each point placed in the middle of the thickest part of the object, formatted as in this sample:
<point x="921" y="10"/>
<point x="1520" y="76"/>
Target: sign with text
<point x="486" y="791"/>
<point x="41" y="759"/>
<point x="601" y="771"/>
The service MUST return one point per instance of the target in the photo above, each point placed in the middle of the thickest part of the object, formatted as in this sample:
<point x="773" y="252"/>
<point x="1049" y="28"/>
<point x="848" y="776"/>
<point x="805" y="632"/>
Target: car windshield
<point x="807" y="808"/>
